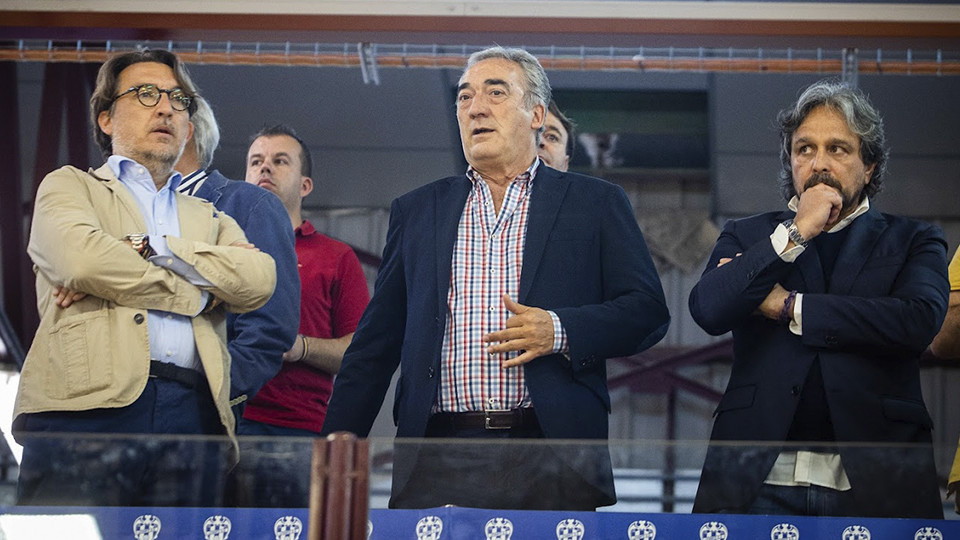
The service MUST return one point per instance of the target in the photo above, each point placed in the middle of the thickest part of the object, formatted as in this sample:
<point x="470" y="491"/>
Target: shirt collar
<point x="192" y="182"/>
<point x="305" y="229"/>
<point x="127" y="170"/>
<point x="843" y="223"/>
<point x="525" y="176"/>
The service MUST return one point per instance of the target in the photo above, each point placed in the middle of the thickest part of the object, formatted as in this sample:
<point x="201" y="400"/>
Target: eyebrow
<point x="488" y="82"/>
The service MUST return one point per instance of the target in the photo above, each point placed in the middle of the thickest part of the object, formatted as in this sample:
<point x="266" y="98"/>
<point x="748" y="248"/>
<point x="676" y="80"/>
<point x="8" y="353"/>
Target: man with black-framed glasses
<point x="133" y="280"/>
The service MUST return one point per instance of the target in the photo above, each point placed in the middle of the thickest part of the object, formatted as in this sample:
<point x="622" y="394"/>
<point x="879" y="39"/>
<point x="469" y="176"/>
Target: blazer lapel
<point x="864" y="233"/>
<point x="549" y="187"/>
<point x="450" y="196"/>
<point x="123" y="195"/>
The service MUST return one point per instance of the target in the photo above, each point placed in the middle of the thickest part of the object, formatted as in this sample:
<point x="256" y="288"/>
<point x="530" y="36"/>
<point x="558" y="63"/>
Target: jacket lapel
<point x="549" y="188"/>
<point x="123" y="195"/>
<point x="864" y="233"/>
<point x="450" y="196"/>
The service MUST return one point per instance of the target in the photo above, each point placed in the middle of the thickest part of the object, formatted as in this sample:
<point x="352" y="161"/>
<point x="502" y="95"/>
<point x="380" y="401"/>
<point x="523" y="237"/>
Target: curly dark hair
<point x="862" y="119"/>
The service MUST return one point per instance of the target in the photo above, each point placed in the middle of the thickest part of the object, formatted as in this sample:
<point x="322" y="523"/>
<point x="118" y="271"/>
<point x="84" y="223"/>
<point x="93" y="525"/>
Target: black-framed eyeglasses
<point x="149" y="96"/>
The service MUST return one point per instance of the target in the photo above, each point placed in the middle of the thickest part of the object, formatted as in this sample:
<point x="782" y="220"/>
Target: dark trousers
<point x="100" y="457"/>
<point x="501" y="469"/>
<point x="803" y="501"/>
<point x="274" y="467"/>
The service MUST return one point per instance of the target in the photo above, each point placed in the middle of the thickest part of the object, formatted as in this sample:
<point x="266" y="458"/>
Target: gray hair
<point x="206" y="133"/>
<point x="537" y="91"/>
<point x="861" y="117"/>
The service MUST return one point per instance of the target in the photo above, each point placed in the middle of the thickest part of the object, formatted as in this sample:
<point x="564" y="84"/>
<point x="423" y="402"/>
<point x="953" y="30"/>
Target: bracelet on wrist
<point x="303" y="354"/>
<point x="786" y="313"/>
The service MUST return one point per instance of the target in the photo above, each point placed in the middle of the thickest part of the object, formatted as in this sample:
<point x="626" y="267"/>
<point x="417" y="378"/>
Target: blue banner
<point x="451" y="524"/>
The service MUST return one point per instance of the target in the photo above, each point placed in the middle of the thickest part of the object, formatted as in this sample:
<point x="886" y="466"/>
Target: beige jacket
<point x="95" y="353"/>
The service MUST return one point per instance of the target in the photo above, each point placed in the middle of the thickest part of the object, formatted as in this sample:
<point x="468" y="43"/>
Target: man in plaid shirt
<point x="501" y="294"/>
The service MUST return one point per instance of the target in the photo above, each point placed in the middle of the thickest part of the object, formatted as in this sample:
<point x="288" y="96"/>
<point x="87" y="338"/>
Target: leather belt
<point x="188" y="377"/>
<point x="506" y="419"/>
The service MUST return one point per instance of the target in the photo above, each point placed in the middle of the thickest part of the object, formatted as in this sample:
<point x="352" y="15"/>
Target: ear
<point x="306" y="186"/>
<point x="869" y="173"/>
<point x="105" y="122"/>
<point x="566" y="162"/>
<point x="539" y="116"/>
<point x="189" y="131"/>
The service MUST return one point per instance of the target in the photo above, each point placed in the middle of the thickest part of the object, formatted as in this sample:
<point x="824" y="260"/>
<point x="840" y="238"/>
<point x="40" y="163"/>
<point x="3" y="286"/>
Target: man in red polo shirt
<point x="333" y="296"/>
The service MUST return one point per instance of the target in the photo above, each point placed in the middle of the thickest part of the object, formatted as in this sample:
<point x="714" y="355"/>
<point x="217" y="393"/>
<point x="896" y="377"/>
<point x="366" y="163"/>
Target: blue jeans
<point x="76" y="458"/>
<point x="802" y="501"/>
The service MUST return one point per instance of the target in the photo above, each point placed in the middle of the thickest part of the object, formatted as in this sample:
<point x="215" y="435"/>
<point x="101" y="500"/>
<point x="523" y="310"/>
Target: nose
<point x="820" y="161"/>
<point x="478" y="106"/>
<point x="164" y="107"/>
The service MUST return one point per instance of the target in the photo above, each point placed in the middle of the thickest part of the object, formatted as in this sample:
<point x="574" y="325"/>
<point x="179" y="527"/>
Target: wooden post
<point x="339" y="488"/>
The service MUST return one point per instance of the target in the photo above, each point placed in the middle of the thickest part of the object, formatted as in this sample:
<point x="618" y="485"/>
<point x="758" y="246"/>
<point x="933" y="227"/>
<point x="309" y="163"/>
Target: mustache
<point x="822" y="178"/>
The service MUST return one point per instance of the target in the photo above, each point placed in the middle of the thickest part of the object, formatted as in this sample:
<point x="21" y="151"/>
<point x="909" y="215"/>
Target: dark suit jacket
<point x="257" y="339"/>
<point x="584" y="258"/>
<point x="886" y="300"/>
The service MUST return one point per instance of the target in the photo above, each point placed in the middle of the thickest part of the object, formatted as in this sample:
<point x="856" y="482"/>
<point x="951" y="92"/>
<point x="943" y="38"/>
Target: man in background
<point x="257" y="339"/>
<point x="557" y="141"/>
<point x="333" y="295"/>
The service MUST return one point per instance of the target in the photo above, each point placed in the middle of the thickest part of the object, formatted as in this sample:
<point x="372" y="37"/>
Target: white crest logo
<point x="856" y="532"/>
<point x="216" y="528"/>
<point x="713" y="530"/>
<point x="784" y="531"/>
<point x="288" y="528"/>
<point x="570" y="529"/>
<point x="499" y="529"/>
<point x="146" y="527"/>
<point x="642" y="530"/>
<point x="928" y="533"/>
<point x="428" y="528"/>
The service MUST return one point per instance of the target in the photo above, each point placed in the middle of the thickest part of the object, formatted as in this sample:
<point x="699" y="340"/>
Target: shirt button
<point x="138" y="318"/>
<point x="169" y="317"/>
<point x="169" y="352"/>
<point x="169" y="262"/>
<point x="160" y="221"/>
<point x="491" y="308"/>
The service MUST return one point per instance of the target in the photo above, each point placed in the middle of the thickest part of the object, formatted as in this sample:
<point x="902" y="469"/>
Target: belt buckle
<point x="486" y="419"/>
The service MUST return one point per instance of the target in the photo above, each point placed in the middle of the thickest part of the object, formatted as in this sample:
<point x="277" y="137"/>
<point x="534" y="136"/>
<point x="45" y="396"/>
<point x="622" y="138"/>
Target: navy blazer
<point x="257" y="339"/>
<point x="584" y="258"/>
<point x="886" y="299"/>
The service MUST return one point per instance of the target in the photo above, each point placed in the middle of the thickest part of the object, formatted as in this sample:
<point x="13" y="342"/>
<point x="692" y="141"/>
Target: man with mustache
<point x="831" y="304"/>
<point x="133" y="282"/>
<point x="502" y="292"/>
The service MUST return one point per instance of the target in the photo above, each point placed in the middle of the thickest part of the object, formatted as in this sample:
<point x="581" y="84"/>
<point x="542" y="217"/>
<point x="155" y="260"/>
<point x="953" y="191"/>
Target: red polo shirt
<point x="333" y="295"/>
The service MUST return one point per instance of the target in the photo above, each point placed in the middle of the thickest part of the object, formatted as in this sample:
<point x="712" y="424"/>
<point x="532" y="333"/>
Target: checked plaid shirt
<point x="487" y="260"/>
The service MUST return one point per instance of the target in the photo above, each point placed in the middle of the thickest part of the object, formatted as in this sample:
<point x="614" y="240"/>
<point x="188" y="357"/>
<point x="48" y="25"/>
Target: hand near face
<point x="529" y="330"/>
<point x="819" y="207"/>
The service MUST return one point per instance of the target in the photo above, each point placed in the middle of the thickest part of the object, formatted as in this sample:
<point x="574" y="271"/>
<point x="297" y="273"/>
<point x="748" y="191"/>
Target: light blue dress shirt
<point x="171" y="335"/>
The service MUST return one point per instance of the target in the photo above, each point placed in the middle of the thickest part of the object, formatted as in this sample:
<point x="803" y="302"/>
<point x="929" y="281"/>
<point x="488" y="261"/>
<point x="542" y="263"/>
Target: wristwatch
<point x="141" y="243"/>
<point x="794" y="233"/>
